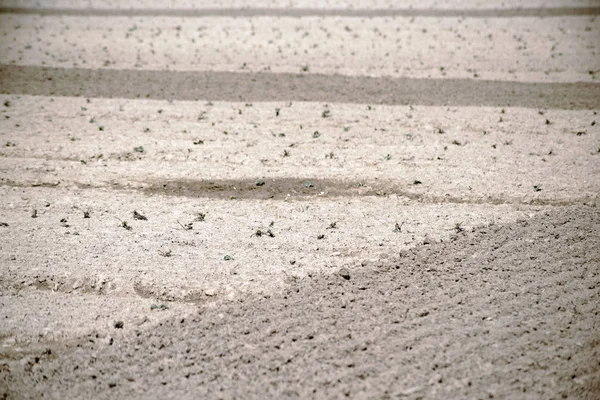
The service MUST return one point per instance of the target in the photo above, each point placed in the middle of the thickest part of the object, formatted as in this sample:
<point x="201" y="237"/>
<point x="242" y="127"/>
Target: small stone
<point x="344" y="273"/>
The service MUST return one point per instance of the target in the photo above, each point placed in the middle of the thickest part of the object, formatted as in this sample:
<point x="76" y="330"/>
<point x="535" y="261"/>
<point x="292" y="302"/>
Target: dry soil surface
<point x="355" y="199"/>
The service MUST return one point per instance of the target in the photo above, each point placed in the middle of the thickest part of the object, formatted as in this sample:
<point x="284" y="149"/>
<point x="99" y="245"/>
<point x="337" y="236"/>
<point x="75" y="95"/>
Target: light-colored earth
<point x="439" y="238"/>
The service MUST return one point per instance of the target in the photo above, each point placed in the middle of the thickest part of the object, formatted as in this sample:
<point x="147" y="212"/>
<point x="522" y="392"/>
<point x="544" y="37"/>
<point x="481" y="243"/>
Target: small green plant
<point x="259" y="182"/>
<point x="277" y="110"/>
<point x="86" y="214"/>
<point x="7" y="104"/>
<point x="161" y="307"/>
<point x="580" y="133"/>
<point x="388" y="157"/>
<point x="537" y="188"/>
<point x="320" y="236"/>
<point x="441" y="131"/>
<point x="227" y="258"/>
<point x="458" y="227"/>
<point x="200" y="217"/>
<point x="34" y="213"/>
<point x="456" y="142"/>
<point x="316" y="134"/>
<point x="326" y="114"/>
<point x="417" y="182"/>
<point x="139" y="149"/>
<point x="286" y="153"/>
<point x="332" y="225"/>
<point x="259" y="232"/>
<point x="304" y="68"/>
<point x="398" y="227"/>
<point x="199" y="141"/>
<point x="124" y="225"/>
<point x="308" y="184"/>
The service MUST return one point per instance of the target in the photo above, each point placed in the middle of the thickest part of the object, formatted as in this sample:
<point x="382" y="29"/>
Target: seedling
<point x="124" y="224"/>
<point x="537" y="188"/>
<point x="200" y="217"/>
<point x="162" y="307"/>
<point x="199" y="141"/>
<point x="86" y="214"/>
<point x="441" y="131"/>
<point x="101" y="128"/>
<point x="138" y="216"/>
<point x="326" y="114"/>
<point x="398" y="227"/>
<point x="165" y="253"/>
<point x="458" y="227"/>
<point x="286" y="153"/>
<point x="308" y="184"/>
<point x="227" y="258"/>
<point x="456" y="142"/>
<point x="580" y="133"/>
<point x="304" y="68"/>
<point x="417" y="182"/>
<point x="11" y="144"/>
<point x="316" y="134"/>
<point x="359" y="184"/>
<point x="277" y="110"/>
<point x="259" y="233"/>
<point x="388" y="157"/>
<point x="139" y="149"/>
<point x="7" y="103"/>
<point x="259" y="182"/>
<point x="34" y="213"/>
<point x="320" y="236"/>
<point x="507" y="143"/>
<point x="332" y="225"/>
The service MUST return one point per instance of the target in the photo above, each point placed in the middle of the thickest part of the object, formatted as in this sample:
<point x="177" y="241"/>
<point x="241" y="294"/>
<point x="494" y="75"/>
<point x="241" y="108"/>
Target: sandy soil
<point x="219" y="222"/>
<point x="532" y="49"/>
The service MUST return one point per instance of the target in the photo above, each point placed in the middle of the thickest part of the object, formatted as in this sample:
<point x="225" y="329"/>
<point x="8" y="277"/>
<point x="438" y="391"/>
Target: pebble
<point x="344" y="273"/>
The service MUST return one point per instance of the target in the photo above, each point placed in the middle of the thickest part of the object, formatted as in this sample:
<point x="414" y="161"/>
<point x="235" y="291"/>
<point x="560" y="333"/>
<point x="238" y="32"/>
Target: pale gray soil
<point x="501" y="312"/>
